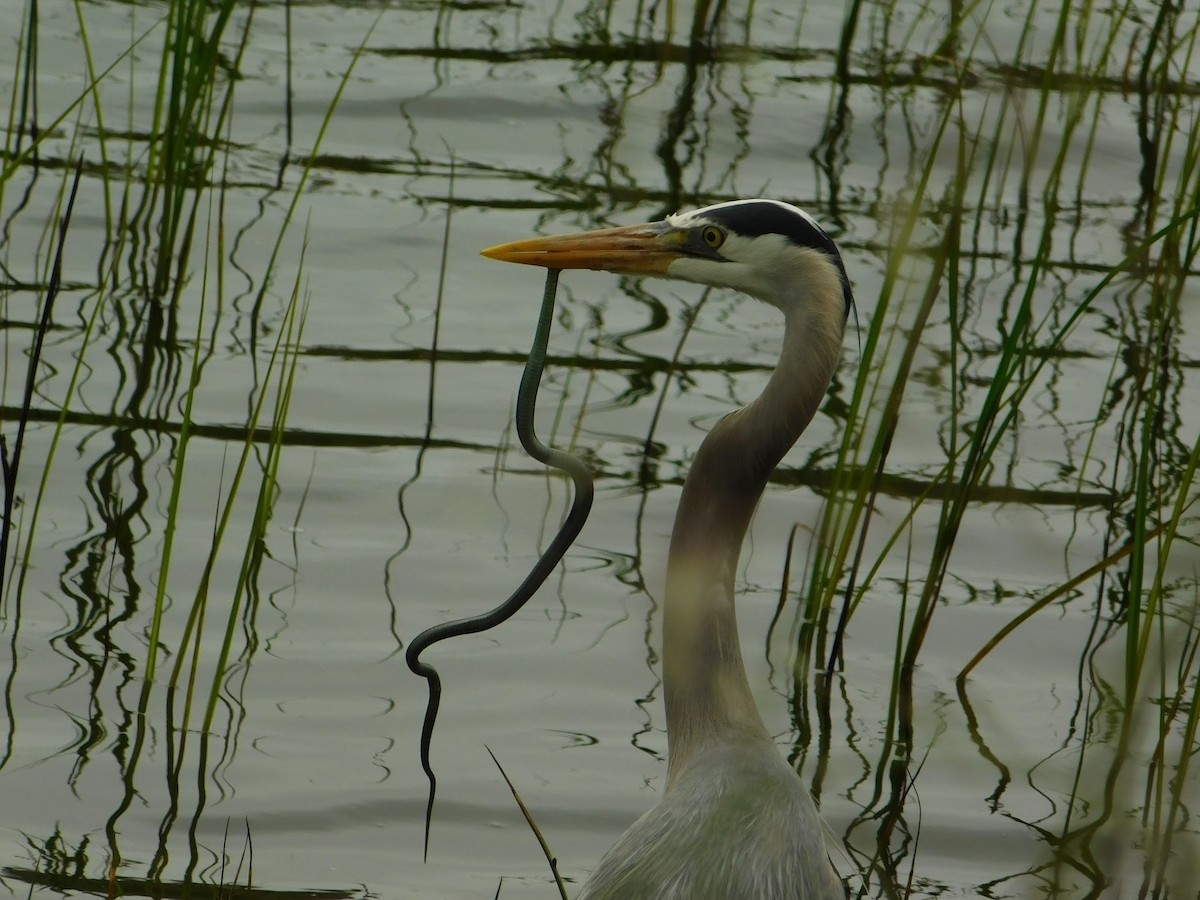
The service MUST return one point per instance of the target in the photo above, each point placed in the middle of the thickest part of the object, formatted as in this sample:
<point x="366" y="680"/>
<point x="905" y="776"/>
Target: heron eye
<point x="712" y="236"/>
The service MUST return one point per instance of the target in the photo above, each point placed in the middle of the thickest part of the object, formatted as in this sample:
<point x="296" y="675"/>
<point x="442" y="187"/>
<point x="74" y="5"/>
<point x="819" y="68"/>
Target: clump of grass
<point x="190" y="112"/>
<point x="1035" y="325"/>
<point x="185" y="159"/>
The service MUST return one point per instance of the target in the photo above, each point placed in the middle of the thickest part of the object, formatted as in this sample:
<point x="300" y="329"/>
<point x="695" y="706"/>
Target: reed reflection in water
<point x="266" y="444"/>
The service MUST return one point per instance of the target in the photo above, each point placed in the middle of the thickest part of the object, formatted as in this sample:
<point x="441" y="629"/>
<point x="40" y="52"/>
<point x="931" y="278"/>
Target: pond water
<point x="1052" y="143"/>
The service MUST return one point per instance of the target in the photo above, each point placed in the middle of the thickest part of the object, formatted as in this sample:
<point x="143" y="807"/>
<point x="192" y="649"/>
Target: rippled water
<point x="402" y="499"/>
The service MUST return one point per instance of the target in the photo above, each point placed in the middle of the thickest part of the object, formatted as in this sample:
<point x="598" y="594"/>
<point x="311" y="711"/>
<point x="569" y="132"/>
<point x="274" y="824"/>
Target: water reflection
<point x="984" y="171"/>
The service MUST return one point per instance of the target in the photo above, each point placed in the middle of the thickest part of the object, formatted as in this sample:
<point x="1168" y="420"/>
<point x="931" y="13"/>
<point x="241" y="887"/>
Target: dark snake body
<point x="581" y="506"/>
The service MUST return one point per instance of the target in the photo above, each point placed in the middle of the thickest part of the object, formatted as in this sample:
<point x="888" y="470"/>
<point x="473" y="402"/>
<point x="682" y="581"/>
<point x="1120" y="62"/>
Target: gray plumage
<point x="735" y="821"/>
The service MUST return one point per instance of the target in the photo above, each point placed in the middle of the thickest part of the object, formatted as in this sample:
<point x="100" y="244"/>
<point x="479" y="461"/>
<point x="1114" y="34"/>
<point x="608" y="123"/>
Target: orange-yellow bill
<point x="628" y="250"/>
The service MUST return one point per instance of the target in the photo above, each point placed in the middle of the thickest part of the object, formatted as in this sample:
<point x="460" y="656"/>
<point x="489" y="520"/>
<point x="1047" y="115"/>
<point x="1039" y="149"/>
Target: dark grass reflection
<point x="1016" y="198"/>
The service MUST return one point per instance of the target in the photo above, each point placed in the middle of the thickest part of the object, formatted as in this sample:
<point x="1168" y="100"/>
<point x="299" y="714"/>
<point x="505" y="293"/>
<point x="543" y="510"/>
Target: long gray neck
<point x="706" y="691"/>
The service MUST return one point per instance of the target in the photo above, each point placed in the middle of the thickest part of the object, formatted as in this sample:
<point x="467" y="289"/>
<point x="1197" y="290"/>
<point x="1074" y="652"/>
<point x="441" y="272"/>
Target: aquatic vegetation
<point x="979" y="590"/>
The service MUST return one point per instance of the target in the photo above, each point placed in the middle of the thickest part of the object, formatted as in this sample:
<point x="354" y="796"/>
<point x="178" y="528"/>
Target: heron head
<point x="765" y="248"/>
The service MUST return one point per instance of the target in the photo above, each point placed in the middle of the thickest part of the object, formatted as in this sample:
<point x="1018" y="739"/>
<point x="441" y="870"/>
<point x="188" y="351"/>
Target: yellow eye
<point x="712" y="236"/>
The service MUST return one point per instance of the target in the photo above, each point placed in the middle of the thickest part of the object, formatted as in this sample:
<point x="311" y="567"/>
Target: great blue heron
<point x="735" y="821"/>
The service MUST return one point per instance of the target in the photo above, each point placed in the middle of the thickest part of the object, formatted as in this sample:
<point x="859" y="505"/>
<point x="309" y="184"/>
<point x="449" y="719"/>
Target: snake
<point x="581" y="505"/>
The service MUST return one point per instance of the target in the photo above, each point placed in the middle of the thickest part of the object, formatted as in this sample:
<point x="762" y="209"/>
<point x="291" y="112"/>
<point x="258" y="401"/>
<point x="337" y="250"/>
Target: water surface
<point x="402" y="498"/>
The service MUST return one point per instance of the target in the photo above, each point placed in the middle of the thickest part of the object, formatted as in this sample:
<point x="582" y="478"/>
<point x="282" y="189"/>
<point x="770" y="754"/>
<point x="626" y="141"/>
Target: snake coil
<point x="581" y="506"/>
